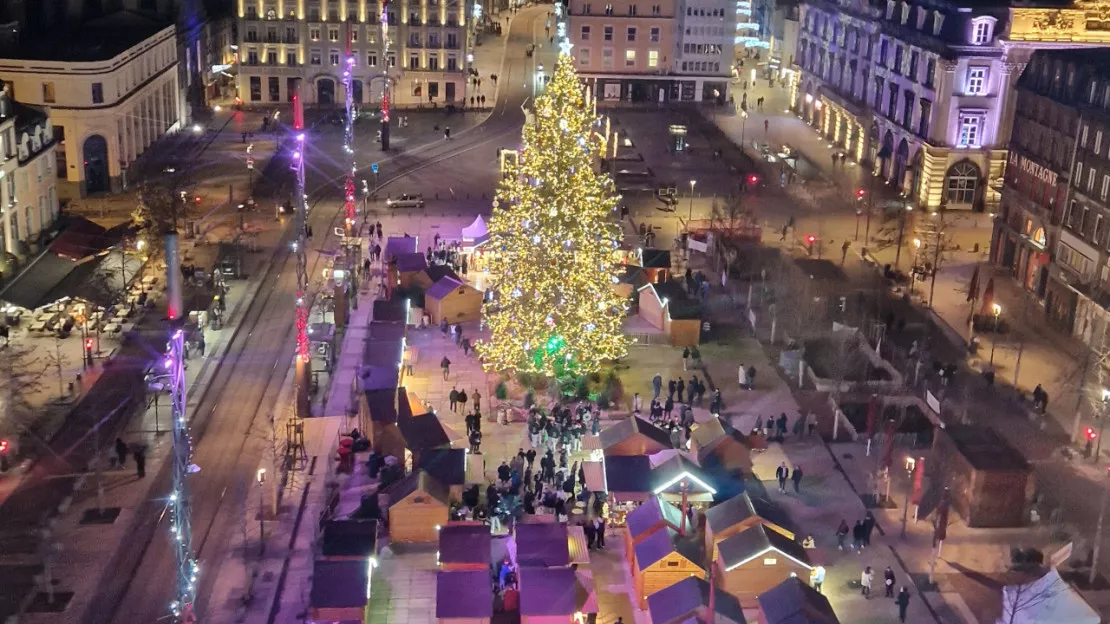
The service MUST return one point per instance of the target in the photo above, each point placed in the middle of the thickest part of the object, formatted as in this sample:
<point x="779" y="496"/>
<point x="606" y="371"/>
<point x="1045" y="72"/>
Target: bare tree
<point x="1027" y="596"/>
<point x="799" y="302"/>
<point x="154" y="215"/>
<point x="21" y="379"/>
<point x="57" y="360"/>
<point x="934" y="232"/>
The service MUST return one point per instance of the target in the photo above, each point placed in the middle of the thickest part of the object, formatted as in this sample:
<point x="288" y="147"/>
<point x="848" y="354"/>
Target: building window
<point x="333" y="58"/>
<point x="583" y="56"/>
<point x="632" y="33"/>
<point x="1083" y="136"/>
<point x="1090" y="179"/>
<point x="98" y="93"/>
<point x="1098" y="141"/>
<point x="1097" y="230"/>
<point x="313" y="34"/>
<point x="314" y="57"/>
<point x="923" y="123"/>
<point x="252" y="57"/>
<point x="372" y="59"/>
<point x="271" y="57"/>
<point x="607" y="58"/>
<point x="629" y="58"/>
<point x="982" y="34"/>
<point x="1105" y="187"/>
<point x="414" y="61"/>
<point x="256" y="88"/>
<point x="976" y="80"/>
<point x="452" y="63"/>
<point x="970" y="127"/>
<point x="963" y="179"/>
<point x="586" y="33"/>
<point x="48" y="92"/>
<point x="275" y="88"/>
<point x="653" y="34"/>
<point x="930" y="70"/>
<point x="653" y="58"/>
<point x="607" y="33"/>
<point x="433" y="65"/>
<point x="1079" y="171"/>
<point x="291" y="59"/>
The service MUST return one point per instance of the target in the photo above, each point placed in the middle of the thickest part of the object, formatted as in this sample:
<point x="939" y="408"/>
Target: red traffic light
<point x="3" y="446"/>
<point x="752" y="179"/>
<point x="1090" y="433"/>
<point x="196" y="200"/>
<point x="860" y="193"/>
<point x="811" y="239"/>
<point x="89" y="344"/>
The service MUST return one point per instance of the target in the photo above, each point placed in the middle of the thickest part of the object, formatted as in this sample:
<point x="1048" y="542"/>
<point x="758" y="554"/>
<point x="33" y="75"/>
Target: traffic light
<point x="88" y="351"/>
<point x="753" y="179"/>
<point x="810" y="239"/>
<point x="860" y="193"/>
<point x="5" y="463"/>
<point x="1090" y="433"/>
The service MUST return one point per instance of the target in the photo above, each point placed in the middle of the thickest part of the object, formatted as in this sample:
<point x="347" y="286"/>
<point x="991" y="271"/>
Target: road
<point x="244" y="388"/>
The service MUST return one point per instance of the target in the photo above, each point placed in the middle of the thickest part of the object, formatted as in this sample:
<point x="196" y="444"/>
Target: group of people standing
<point x="563" y="428"/>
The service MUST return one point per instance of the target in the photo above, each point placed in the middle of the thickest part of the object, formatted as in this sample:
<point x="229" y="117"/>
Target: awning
<point x="31" y="289"/>
<point x="475" y="230"/>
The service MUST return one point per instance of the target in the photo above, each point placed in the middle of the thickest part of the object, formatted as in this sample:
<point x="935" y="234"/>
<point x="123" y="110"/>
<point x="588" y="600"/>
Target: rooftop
<point x="653" y="512"/>
<point x="984" y="449"/>
<point x="631" y="426"/>
<point x="100" y="39"/>
<point x="464" y="543"/>
<point x="414" y="482"/>
<point x="350" y="538"/>
<point x="756" y="541"/>
<point x="542" y="544"/>
<point x="465" y="594"/>
<point x="794" y="602"/>
<point x="686" y="598"/>
<point x="658" y="545"/>
<point x="551" y="592"/>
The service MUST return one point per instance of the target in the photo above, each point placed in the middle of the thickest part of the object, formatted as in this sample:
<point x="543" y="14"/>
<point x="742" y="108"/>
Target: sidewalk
<point x="89" y="548"/>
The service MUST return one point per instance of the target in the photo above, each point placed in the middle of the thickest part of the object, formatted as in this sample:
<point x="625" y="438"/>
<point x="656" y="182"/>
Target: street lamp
<point x="911" y="463"/>
<point x="913" y="269"/>
<point x="260" y="477"/>
<point x="690" y="216"/>
<point x="997" y="311"/>
<point x="743" y="128"/>
<point x="901" y="232"/>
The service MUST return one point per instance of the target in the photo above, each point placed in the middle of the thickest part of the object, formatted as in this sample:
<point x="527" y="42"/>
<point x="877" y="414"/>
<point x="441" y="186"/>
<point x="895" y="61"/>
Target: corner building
<point x="286" y="43"/>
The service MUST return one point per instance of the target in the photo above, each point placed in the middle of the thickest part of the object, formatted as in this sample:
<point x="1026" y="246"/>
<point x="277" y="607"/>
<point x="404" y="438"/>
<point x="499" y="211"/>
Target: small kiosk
<point x="418" y="507"/>
<point x="755" y="560"/>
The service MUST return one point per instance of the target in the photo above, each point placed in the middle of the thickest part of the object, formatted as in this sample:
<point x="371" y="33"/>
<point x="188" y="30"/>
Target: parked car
<point x="405" y="201"/>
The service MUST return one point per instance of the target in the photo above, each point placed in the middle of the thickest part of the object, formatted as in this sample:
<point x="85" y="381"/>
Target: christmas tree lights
<point x="180" y="525"/>
<point x="555" y="245"/>
<point x="349" y="132"/>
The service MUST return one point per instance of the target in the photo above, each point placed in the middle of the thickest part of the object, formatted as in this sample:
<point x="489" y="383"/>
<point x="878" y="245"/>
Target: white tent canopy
<point x="1047" y="600"/>
<point x="475" y="230"/>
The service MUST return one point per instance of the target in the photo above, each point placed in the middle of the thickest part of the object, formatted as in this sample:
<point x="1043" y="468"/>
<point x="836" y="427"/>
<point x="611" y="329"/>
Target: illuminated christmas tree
<point x="553" y="310"/>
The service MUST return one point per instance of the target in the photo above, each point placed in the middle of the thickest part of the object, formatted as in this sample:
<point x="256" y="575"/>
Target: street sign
<point x="374" y="167"/>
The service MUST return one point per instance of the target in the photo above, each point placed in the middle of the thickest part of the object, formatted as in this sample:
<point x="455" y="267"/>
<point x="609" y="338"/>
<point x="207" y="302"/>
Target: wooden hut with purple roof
<point x="464" y="597"/>
<point x="556" y="596"/>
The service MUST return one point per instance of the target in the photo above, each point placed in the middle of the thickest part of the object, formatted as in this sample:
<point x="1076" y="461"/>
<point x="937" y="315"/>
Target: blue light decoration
<point x="181" y="531"/>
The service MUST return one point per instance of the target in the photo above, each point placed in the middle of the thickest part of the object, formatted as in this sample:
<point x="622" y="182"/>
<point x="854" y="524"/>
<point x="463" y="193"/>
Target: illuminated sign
<point x="1044" y="174"/>
<point x="747" y="26"/>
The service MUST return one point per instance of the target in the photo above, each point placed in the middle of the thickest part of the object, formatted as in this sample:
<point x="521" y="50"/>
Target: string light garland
<point x="556" y="257"/>
<point x="349" y="131"/>
<point x="181" y="531"/>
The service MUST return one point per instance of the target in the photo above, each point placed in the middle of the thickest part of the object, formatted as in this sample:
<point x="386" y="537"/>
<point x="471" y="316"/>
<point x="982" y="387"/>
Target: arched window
<point x="963" y="180"/>
<point x="1039" y="237"/>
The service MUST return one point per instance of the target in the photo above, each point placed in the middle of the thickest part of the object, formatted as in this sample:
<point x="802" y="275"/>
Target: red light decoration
<point x="302" y="328"/>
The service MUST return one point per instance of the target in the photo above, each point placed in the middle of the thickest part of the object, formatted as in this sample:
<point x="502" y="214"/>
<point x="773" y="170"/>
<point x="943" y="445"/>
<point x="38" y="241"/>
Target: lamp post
<point x="913" y="269"/>
<point x="260" y="478"/>
<point x="743" y="129"/>
<point x="911" y="463"/>
<point x="997" y="311"/>
<point x="690" y="215"/>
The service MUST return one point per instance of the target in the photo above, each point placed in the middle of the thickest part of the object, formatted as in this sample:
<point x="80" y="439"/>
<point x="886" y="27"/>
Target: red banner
<point x="918" y="480"/>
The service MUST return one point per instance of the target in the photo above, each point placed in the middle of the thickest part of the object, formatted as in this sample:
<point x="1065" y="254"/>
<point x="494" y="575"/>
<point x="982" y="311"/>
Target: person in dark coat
<point x="868" y="526"/>
<point x="671" y="387"/>
<point x="888" y="582"/>
<point x="796" y="477"/>
<point x="903" y="601"/>
<point x="857" y="536"/>
<point x="121" y="452"/>
<point x="140" y="463"/>
<point x="782" y="473"/>
<point x="454" y="398"/>
<point x="530" y="457"/>
<point x="681" y="388"/>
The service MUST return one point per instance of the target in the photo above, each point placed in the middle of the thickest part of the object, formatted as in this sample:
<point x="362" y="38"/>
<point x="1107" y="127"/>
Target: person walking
<point x="742" y="377"/>
<point x="656" y="385"/>
<point x="637" y="403"/>
<point x="477" y="402"/>
<point x="811" y="423"/>
<point x="445" y="364"/>
<point x="857" y="537"/>
<point x="686" y="358"/>
<point x="796" y="477"/>
<point x="865" y="580"/>
<point x="454" y="398"/>
<point x="671" y="387"/>
<point x="903" y="602"/>
<point x="841" y="534"/>
<point x="121" y="452"/>
<point x="680" y="387"/>
<point x="817" y="577"/>
<point x="782" y="473"/>
<point x="462" y="400"/>
<point x="888" y="582"/>
<point x="751" y="378"/>
<point x="844" y="252"/>
<point x="140" y="463"/>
